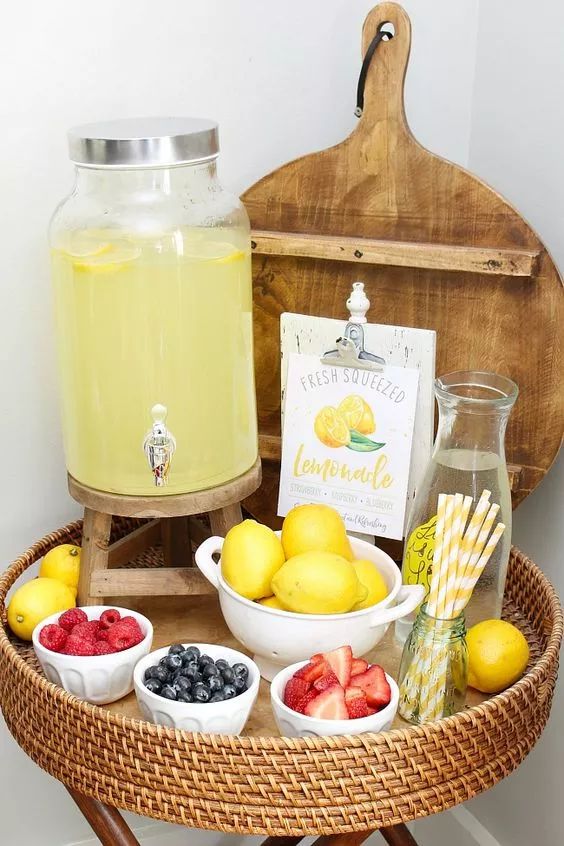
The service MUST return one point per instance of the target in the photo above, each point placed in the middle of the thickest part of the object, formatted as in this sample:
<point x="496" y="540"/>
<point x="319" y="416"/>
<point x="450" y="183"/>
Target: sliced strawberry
<point x="326" y="681"/>
<point x="304" y="702"/>
<point x="311" y="671"/>
<point x="340" y="661"/>
<point x="355" y="701"/>
<point x="295" y="690"/>
<point x="375" y="685"/>
<point x="359" y="665"/>
<point x="328" y="705"/>
<point x="317" y="657"/>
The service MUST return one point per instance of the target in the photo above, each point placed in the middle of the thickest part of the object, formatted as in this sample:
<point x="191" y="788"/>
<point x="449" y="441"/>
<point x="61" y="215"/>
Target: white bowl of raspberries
<point x="333" y="693"/>
<point x="91" y="652"/>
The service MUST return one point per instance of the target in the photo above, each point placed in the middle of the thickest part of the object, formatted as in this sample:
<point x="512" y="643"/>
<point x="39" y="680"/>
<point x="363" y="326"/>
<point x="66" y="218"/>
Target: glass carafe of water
<point x="468" y="457"/>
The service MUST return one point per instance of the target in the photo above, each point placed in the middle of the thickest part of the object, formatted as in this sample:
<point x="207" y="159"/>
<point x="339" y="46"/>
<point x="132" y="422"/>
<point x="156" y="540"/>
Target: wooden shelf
<point x="483" y="260"/>
<point x="146" y="581"/>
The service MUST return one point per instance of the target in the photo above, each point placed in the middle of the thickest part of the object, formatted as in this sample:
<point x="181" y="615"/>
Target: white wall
<point x="517" y="121"/>
<point x="281" y="80"/>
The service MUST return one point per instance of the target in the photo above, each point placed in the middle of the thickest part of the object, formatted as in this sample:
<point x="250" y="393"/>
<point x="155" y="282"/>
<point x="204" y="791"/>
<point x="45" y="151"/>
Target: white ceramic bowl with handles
<point x="278" y="638"/>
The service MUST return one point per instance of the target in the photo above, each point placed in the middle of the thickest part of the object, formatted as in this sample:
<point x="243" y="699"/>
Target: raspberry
<point x="131" y="621"/>
<point x="53" y="637"/>
<point x="109" y="617"/>
<point x="78" y="646"/>
<point x="102" y="635"/>
<point x="88" y="630"/>
<point x="71" y="618"/>
<point x="123" y="635"/>
<point x="102" y="648"/>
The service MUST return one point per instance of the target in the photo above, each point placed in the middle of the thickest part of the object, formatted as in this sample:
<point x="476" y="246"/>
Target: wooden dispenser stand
<point x="171" y="524"/>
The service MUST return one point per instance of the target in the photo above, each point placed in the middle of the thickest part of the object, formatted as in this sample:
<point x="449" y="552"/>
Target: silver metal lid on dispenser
<point x="144" y="142"/>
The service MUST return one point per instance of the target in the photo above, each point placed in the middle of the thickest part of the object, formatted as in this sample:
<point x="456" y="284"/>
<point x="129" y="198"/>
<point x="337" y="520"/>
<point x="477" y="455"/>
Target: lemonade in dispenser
<point x="153" y="303"/>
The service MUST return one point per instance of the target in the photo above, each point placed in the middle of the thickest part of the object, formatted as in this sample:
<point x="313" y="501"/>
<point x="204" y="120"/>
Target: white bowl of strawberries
<point x="333" y="693"/>
<point x="91" y="652"/>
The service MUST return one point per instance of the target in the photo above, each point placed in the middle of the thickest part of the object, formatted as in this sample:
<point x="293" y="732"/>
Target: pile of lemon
<point x="54" y="590"/>
<point x="310" y="569"/>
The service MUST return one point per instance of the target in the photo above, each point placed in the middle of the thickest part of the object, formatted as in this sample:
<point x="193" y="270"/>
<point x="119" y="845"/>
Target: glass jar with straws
<point x="434" y="665"/>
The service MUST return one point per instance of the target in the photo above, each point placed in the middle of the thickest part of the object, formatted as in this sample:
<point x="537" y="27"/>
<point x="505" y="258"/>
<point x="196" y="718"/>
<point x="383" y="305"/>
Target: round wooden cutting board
<point x="436" y="247"/>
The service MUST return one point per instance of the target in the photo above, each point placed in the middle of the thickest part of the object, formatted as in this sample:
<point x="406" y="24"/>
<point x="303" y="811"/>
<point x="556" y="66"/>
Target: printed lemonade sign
<point x="347" y="442"/>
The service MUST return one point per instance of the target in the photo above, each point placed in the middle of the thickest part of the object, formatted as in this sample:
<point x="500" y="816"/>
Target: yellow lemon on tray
<point x="318" y="583"/>
<point x="331" y="428"/>
<point x="369" y="575"/>
<point x="272" y="602"/>
<point x="62" y="563"/>
<point x="357" y="414"/>
<point x="315" y="528"/>
<point x="250" y="557"/>
<point x="497" y="655"/>
<point x="36" y="600"/>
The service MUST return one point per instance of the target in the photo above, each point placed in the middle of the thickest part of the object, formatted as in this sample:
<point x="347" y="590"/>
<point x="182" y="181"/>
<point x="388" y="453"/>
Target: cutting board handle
<point x="384" y="112"/>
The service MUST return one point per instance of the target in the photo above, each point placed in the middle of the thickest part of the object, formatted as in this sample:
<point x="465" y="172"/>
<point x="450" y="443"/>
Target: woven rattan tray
<point x="260" y="783"/>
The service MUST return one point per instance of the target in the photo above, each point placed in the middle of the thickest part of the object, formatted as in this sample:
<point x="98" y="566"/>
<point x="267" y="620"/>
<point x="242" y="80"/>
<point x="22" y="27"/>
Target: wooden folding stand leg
<point x="112" y="830"/>
<point x="172" y="523"/>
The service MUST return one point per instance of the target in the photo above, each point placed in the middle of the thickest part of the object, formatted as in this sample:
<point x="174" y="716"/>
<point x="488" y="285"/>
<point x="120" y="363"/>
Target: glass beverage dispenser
<point x="152" y="278"/>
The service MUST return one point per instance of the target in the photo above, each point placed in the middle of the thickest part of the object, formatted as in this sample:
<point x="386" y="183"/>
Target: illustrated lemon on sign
<point x="62" y="563"/>
<point x="357" y="414"/>
<point x="498" y="655"/>
<point x="318" y="583"/>
<point x="374" y="582"/>
<point x="36" y="600"/>
<point x="315" y="528"/>
<point x="250" y="557"/>
<point x="331" y="428"/>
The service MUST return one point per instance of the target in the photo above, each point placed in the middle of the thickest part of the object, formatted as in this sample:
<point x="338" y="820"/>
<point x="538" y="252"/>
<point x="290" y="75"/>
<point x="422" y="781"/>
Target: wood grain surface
<point x="441" y="223"/>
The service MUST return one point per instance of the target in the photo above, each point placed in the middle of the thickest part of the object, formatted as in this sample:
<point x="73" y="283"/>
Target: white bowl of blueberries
<point x="199" y="687"/>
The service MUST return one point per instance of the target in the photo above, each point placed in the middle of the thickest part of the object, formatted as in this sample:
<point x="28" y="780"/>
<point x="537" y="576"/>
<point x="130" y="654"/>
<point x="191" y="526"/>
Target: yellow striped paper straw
<point x="466" y="588"/>
<point x="437" y="553"/>
<point x="472" y="531"/>
<point x="439" y="572"/>
<point x="449" y="588"/>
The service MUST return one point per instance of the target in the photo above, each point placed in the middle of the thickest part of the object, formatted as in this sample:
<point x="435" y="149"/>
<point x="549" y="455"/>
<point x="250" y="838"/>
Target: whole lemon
<point x="62" y="563"/>
<point x="250" y="557"/>
<point x="369" y="575"/>
<point x="272" y="602"/>
<point x="318" y="583"/>
<point x="497" y="655"/>
<point x="315" y="528"/>
<point x="34" y="601"/>
<point x="358" y="414"/>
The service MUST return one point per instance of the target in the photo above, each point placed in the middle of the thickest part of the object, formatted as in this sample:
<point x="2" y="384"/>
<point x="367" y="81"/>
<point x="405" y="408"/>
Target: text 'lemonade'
<point x="158" y="321"/>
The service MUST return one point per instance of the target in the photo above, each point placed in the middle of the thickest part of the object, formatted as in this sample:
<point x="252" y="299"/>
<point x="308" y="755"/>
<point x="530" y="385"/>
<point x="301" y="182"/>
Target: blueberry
<point x="197" y="678"/>
<point x="184" y="696"/>
<point x="217" y="696"/>
<point x="162" y="661"/>
<point x="161" y="674"/>
<point x="176" y="649"/>
<point x="210" y="670"/>
<point x="201" y="693"/>
<point x="191" y="671"/>
<point x="182" y="683"/>
<point x="241" y="671"/>
<point x="168" y="692"/>
<point x="188" y="657"/>
<point x="239" y="684"/>
<point x="221" y="664"/>
<point x="229" y="691"/>
<point x="149" y="672"/>
<point x="205" y="659"/>
<point x="228" y="675"/>
<point x="215" y="683"/>
<point x="153" y="685"/>
<point x="194" y="652"/>
<point x="173" y="662"/>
